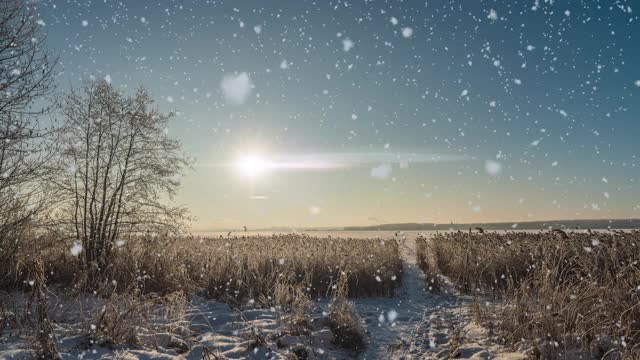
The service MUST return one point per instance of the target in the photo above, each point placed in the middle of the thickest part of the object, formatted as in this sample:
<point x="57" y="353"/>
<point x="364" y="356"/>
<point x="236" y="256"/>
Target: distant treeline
<point x="529" y="225"/>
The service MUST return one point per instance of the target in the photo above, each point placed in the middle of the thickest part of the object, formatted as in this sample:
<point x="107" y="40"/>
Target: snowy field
<point x="414" y="324"/>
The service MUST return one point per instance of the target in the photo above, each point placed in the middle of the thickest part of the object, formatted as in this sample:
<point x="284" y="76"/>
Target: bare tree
<point x="26" y="76"/>
<point x="25" y="66"/>
<point x="118" y="169"/>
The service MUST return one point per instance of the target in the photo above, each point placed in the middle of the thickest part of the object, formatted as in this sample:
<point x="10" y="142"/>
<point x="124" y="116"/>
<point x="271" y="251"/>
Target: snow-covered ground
<point x="415" y="324"/>
<point x="420" y="324"/>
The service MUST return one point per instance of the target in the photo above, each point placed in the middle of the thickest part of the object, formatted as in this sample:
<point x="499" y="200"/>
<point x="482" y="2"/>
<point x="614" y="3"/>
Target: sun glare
<point x="251" y="166"/>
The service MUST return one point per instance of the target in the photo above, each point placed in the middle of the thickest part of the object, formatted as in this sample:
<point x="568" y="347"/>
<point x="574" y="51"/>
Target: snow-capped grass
<point x="560" y="290"/>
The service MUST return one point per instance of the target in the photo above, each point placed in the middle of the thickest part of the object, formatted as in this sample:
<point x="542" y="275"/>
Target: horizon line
<point x="342" y="228"/>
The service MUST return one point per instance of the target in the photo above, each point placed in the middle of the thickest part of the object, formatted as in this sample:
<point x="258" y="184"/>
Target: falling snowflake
<point x="236" y="88"/>
<point x="392" y="315"/>
<point x="492" y="167"/>
<point x="381" y="171"/>
<point x="76" y="249"/>
<point x="347" y="44"/>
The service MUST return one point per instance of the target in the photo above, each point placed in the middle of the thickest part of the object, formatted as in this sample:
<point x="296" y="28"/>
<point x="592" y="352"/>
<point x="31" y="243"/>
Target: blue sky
<point x="360" y="112"/>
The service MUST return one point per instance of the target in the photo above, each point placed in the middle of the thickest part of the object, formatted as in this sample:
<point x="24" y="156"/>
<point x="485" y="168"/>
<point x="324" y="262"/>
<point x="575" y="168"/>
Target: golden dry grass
<point x="560" y="291"/>
<point x="347" y="327"/>
<point x="241" y="268"/>
<point x="232" y="269"/>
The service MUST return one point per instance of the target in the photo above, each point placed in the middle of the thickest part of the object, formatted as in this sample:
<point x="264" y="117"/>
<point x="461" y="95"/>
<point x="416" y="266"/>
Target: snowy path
<point x="426" y="324"/>
<point x="392" y="339"/>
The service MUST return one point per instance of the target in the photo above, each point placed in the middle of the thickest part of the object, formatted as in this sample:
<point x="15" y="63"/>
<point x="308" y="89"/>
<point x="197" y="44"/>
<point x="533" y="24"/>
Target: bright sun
<point x="251" y="166"/>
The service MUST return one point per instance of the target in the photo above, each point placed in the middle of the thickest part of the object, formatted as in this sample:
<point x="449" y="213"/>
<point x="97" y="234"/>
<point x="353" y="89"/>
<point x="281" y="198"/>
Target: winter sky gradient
<point x="329" y="113"/>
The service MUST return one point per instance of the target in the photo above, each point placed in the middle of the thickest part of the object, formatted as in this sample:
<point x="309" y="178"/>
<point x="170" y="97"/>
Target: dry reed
<point x="232" y="269"/>
<point x="561" y="292"/>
